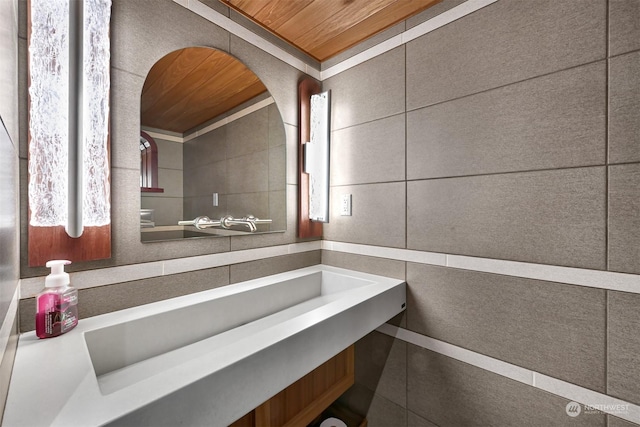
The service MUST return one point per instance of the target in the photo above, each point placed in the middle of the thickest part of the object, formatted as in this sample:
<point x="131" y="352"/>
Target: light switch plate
<point x="345" y="207"/>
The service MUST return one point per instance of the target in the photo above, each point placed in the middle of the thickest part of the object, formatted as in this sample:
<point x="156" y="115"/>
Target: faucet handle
<point x="201" y="222"/>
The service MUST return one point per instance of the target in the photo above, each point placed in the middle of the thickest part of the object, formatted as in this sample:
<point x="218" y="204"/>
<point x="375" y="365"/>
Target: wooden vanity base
<point x="303" y="401"/>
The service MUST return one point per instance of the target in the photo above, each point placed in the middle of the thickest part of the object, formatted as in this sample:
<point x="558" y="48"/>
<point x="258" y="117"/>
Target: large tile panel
<point x="548" y="122"/>
<point x="206" y="149"/>
<point x="248" y="173"/>
<point x="502" y="43"/>
<point x="624" y="27"/>
<point x="369" y="91"/>
<point x="623" y="371"/>
<point x="624" y="218"/>
<point x="624" y="108"/>
<point x="167" y="210"/>
<point x="451" y="393"/>
<point x="268" y="266"/>
<point x="381" y="366"/>
<point x="371" y="152"/>
<point x="367" y="264"/>
<point x="550" y="217"/>
<point x="378" y="215"/>
<point x="379" y="411"/>
<point x="555" y="329"/>
<point x="248" y="134"/>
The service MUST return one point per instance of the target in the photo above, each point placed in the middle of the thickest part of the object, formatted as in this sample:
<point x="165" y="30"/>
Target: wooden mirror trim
<point x="306" y="227"/>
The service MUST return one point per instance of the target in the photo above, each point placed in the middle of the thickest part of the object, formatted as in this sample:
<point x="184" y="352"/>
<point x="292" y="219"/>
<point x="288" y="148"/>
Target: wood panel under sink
<point x="303" y="401"/>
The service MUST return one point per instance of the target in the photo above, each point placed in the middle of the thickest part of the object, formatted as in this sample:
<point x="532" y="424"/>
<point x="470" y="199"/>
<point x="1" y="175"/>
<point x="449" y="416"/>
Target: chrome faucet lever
<point x="201" y="222"/>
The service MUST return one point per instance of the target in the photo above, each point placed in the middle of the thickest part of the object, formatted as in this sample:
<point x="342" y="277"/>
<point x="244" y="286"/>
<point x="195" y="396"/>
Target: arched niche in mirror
<point x="220" y="147"/>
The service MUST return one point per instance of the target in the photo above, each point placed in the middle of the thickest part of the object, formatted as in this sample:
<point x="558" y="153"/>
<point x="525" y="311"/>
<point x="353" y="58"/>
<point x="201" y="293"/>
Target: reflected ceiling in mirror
<point x="220" y="147"/>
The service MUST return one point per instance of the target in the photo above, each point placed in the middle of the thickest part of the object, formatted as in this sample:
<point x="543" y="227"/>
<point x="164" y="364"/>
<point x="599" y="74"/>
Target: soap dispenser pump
<point x="57" y="304"/>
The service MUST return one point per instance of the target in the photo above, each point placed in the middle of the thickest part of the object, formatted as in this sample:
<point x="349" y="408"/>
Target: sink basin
<point x="205" y="358"/>
<point x="251" y="309"/>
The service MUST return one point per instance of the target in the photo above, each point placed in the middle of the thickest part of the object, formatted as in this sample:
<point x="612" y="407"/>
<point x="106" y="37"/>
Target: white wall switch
<point x="215" y="199"/>
<point x="345" y="207"/>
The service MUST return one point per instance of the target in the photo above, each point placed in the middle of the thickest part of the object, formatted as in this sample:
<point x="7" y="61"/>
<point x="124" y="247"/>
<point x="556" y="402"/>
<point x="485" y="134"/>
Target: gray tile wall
<point x="451" y="393"/>
<point x="247" y="169"/>
<point x="9" y="191"/>
<point x="520" y="142"/>
<point x="558" y="330"/>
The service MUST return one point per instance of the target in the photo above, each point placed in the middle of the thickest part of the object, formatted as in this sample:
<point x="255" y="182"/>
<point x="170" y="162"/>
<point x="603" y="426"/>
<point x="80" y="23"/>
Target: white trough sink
<point x="202" y="359"/>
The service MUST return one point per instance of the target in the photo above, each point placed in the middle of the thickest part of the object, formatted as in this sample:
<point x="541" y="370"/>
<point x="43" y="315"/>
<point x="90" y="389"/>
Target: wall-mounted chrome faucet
<point x="226" y="222"/>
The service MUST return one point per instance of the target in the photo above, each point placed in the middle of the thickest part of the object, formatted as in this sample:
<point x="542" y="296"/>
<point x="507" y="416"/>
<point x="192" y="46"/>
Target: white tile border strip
<point x="472" y="358"/>
<point x="215" y="125"/>
<point x="385" y="252"/>
<point x="426" y="27"/>
<point x="432" y="24"/>
<point x="9" y="319"/>
<point x="126" y="273"/>
<point x="599" y="401"/>
<point x="574" y="276"/>
<point x="609" y="280"/>
<point x="231" y="118"/>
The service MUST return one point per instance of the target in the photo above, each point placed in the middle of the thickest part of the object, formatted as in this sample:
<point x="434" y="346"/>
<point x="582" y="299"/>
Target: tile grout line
<point x="487" y="174"/>
<point x="406" y="156"/>
<point x="605" y="403"/>
<point x="506" y="85"/>
<point x="606" y="197"/>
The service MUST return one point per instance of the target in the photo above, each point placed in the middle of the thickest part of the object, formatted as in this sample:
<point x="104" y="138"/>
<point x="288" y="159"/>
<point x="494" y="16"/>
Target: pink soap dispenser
<point x="57" y="304"/>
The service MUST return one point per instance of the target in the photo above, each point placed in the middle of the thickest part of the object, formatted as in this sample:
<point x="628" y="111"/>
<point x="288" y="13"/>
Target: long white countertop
<point x="213" y="380"/>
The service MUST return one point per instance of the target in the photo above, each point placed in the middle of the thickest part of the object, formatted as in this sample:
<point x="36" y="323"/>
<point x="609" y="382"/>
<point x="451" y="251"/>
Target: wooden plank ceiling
<point x="191" y="86"/>
<point x="324" y="28"/>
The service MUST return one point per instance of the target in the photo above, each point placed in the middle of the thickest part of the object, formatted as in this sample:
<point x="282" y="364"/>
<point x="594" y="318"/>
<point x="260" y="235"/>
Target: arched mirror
<point x="213" y="137"/>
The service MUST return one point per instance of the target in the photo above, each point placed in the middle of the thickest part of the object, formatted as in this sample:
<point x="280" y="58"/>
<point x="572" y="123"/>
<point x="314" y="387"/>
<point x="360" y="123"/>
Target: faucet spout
<point x="229" y="221"/>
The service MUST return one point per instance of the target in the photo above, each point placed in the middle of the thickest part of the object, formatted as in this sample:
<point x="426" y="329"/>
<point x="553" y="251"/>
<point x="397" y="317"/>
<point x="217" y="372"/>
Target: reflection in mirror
<point x="220" y="149"/>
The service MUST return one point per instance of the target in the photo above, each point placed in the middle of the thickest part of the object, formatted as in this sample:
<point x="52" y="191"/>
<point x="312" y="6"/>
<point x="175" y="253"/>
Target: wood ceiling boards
<point x="189" y="87"/>
<point x="324" y="28"/>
